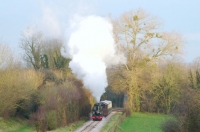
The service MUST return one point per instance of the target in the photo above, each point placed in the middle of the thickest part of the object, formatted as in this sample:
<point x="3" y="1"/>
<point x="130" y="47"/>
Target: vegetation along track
<point x="117" y="110"/>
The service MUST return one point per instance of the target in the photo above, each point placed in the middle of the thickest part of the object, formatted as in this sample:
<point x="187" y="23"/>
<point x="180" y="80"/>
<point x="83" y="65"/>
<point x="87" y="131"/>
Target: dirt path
<point x="95" y="126"/>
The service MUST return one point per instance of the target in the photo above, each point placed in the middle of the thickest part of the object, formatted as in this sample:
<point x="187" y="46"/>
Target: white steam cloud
<point x="90" y="45"/>
<point x="92" y="49"/>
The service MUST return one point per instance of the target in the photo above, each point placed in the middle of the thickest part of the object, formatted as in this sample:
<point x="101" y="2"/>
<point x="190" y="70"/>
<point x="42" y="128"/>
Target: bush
<point x="187" y="110"/>
<point x="39" y="120"/>
<point x="52" y="120"/>
<point x="170" y="125"/>
<point x="192" y="121"/>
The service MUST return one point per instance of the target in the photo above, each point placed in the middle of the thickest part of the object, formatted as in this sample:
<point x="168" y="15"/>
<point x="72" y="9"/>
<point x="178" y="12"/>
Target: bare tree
<point x="137" y="36"/>
<point x="31" y="43"/>
<point x="42" y="52"/>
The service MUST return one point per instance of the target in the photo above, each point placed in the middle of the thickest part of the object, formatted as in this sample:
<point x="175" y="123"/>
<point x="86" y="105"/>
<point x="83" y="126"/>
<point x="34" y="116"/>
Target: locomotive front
<point x="101" y="109"/>
<point x="97" y="112"/>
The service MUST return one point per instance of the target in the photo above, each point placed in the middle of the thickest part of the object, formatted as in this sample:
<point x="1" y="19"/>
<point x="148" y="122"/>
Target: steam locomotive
<point x="101" y="109"/>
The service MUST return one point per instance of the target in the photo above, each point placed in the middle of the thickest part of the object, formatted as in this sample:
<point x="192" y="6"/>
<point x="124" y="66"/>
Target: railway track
<point x="90" y="127"/>
<point x="95" y="126"/>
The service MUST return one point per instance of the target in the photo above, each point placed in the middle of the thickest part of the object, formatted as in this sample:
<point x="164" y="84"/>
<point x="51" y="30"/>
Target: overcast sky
<point x="52" y="16"/>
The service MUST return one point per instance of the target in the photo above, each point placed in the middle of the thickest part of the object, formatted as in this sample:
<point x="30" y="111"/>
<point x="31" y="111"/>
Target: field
<point x="142" y="122"/>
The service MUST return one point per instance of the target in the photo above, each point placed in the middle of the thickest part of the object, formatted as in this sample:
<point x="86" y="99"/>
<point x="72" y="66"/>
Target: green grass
<point x="70" y="128"/>
<point x="15" y="125"/>
<point x="112" y="122"/>
<point x="143" y="122"/>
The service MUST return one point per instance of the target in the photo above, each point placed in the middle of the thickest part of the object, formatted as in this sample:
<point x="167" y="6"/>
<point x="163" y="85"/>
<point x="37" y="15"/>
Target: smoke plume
<point x="92" y="49"/>
<point x="88" y="41"/>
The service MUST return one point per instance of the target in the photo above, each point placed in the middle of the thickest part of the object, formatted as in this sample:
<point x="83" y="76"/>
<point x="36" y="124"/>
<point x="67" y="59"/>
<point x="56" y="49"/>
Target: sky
<point x="182" y="16"/>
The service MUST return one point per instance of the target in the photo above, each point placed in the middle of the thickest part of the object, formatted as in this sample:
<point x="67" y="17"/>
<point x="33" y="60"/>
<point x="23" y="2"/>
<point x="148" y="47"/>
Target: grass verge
<point x="112" y="122"/>
<point x="70" y="128"/>
<point x="18" y="125"/>
<point x="15" y="125"/>
<point x="142" y="122"/>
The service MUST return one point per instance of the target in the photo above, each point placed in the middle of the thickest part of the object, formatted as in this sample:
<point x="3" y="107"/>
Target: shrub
<point x="38" y="118"/>
<point x="170" y="125"/>
<point x="192" y="121"/>
<point x="188" y="110"/>
<point x="52" y="120"/>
